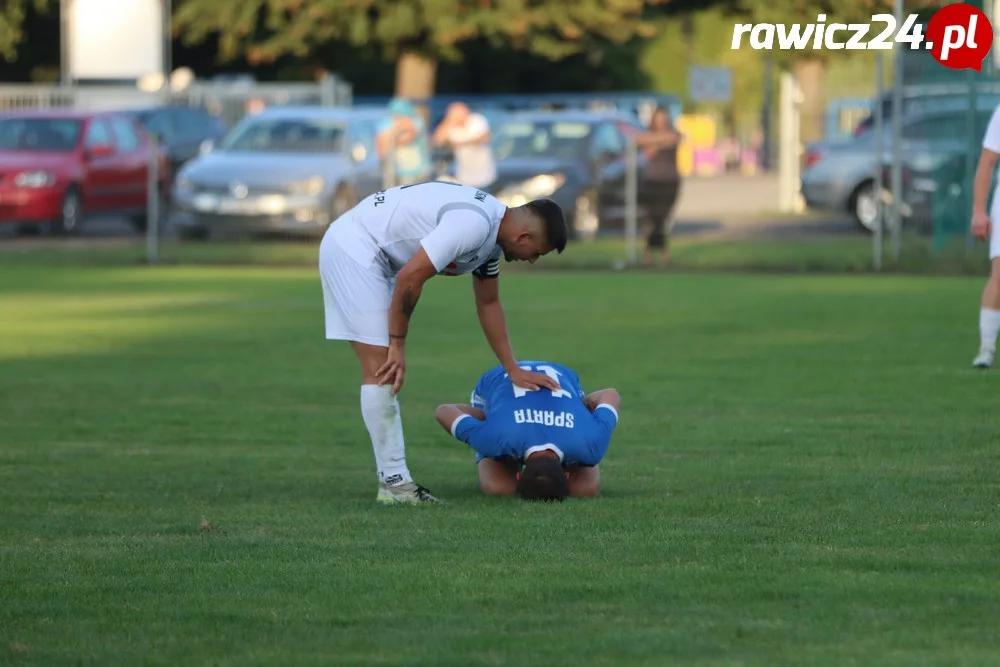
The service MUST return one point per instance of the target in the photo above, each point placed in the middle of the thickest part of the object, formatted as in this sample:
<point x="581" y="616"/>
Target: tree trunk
<point x="416" y="76"/>
<point x="811" y="76"/>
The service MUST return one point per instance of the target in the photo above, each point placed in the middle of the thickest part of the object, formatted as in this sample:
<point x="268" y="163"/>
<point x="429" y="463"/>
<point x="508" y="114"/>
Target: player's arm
<point x="448" y="414"/>
<point x="988" y="158"/>
<point x="468" y="425"/>
<point x="409" y="285"/>
<point x="606" y="404"/>
<point x="602" y="396"/>
<point x="486" y="286"/>
<point x="452" y="237"/>
<point x="984" y="178"/>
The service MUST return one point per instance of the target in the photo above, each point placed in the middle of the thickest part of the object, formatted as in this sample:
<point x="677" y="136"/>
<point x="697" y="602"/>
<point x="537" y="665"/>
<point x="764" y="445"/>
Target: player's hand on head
<point x="982" y="226"/>
<point x="533" y="381"/>
<point x="393" y="370"/>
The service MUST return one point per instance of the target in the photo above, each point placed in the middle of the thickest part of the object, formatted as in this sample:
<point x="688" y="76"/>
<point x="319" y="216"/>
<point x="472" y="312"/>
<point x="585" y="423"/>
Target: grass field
<point x="805" y="473"/>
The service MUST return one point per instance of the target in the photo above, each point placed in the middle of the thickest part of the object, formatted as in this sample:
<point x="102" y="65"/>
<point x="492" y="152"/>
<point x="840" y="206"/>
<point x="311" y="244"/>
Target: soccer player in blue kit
<point x="539" y="445"/>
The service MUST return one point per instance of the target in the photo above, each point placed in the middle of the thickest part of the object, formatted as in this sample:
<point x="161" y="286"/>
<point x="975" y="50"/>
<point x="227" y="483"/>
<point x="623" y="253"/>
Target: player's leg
<point x="584" y="481"/>
<point x="497" y="477"/>
<point x="989" y="307"/>
<point x="356" y="300"/>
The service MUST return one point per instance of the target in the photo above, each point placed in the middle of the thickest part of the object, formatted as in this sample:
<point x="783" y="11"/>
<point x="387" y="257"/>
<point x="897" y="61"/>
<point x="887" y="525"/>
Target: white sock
<point x="381" y="412"/>
<point x="989" y="327"/>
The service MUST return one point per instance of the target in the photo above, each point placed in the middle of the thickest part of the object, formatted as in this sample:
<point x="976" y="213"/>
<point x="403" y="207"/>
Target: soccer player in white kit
<point x="984" y="228"/>
<point x="373" y="262"/>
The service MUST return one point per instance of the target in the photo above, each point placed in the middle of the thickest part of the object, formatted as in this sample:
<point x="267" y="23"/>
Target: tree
<point x="417" y="34"/>
<point x="810" y="65"/>
<point x="12" y="18"/>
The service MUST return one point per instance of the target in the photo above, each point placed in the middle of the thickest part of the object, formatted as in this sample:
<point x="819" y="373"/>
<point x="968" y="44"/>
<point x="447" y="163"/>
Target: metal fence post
<point x="972" y="139"/>
<point x="897" y="140"/>
<point x="879" y="161"/>
<point x="153" y="201"/>
<point x="631" y="200"/>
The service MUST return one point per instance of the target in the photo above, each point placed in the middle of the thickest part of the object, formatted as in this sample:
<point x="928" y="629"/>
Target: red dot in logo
<point x="961" y="36"/>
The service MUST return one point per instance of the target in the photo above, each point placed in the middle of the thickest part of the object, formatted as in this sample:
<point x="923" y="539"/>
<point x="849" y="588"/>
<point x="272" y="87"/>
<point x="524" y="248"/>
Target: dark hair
<point x="666" y="116"/>
<point x="553" y="220"/>
<point x="543" y="478"/>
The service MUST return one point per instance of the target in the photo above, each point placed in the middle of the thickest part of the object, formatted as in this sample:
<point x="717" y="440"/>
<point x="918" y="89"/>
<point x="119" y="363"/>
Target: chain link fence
<point x="939" y="125"/>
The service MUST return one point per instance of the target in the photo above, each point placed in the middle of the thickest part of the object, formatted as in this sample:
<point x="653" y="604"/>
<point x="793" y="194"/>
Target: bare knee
<point x="585" y="482"/>
<point x="498" y="487"/>
<point x="585" y="489"/>
<point x="497" y="478"/>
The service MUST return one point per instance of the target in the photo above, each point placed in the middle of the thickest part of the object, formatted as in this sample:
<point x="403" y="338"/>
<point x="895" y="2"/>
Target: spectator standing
<point x="661" y="183"/>
<point x="467" y="134"/>
<point x="402" y="138"/>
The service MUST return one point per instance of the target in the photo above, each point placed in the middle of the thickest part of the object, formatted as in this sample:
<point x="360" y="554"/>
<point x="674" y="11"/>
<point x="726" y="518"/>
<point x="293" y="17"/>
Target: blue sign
<point x="710" y="84"/>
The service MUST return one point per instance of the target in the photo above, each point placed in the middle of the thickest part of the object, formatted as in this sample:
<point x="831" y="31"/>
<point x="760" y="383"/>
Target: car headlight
<point x="183" y="183"/>
<point x="34" y="179"/>
<point x="311" y="186"/>
<point x="542" y="185"/>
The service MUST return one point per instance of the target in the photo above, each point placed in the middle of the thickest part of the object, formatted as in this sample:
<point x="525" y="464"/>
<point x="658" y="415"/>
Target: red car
<point x="56" y="166"/>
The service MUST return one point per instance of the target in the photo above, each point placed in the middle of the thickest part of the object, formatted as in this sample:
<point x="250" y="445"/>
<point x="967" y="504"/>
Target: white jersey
<point x="456" y="225"/>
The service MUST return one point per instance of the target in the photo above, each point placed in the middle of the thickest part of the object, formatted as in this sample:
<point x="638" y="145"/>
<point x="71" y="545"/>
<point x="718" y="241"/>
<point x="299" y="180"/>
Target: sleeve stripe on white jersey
<point x="493" y="267"/>
<point x="464" y="206"/>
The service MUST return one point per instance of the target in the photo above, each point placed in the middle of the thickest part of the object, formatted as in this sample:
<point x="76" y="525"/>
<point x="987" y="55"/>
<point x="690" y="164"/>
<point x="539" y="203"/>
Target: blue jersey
<point x="519" y="421"/>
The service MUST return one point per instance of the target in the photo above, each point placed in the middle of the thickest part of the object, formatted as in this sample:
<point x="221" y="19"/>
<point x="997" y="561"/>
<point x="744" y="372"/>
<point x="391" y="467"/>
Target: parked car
<point x="935" y="183"/>
<point x="929" y="97"/>
<point x="840" y="176"/>
<point x="286" y="170"/>
<point x="59" y="166"/>
<point x="577" y="158"/>
<point x="181" y="130"/>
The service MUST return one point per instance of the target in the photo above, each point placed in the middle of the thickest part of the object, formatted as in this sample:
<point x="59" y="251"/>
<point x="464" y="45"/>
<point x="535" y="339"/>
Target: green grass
<point x="799" y="254"/>
<point x="805" y="473"/>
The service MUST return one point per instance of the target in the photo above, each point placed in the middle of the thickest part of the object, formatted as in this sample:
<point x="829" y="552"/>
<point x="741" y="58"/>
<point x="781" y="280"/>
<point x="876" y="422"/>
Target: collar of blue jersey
<point x="541" y="448"/>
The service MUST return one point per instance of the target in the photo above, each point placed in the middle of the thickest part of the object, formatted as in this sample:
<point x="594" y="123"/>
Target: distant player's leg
<point x="497" y="477"/>
<point x="356" y="300"/>
<point x="989" y="311"/>
<point x="584" y="481"/>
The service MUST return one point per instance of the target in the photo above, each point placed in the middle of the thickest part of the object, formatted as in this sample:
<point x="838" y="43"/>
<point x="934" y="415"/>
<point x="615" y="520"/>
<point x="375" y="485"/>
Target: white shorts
<point x="995" y="233"/>
<point x="356" y="294"/>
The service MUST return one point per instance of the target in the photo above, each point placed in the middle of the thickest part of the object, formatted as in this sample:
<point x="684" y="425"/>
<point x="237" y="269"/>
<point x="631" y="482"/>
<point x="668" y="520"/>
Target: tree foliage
<point x="12" y="18"/>
<point x="264" y="30"/>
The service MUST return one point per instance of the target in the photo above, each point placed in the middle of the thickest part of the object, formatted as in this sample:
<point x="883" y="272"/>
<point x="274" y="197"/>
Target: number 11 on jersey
<point x="520" y="392"/>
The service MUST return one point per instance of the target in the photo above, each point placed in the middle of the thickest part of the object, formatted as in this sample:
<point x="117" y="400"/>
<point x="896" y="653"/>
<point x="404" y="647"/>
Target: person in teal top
<point x="404" y="135"/>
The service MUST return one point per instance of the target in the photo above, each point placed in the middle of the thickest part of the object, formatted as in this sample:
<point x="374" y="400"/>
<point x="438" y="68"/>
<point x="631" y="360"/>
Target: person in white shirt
<point x="468" y="136"/>
<point x="374" y="261"/>
<point x="984" y="227"/>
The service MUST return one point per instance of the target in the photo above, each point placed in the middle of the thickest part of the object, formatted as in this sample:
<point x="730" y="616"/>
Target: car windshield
<point x="39" y="134"/>
<point x="286" y="135"/>
<point x="549" y="139"/>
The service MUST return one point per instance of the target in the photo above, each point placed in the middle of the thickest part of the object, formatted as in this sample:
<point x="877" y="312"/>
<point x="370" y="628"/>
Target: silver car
<point x="288" y="170"/>
<point x="839" y="176"/>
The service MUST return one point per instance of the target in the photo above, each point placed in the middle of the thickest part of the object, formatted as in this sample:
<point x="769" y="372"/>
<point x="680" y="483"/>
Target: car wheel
<point x="864" y="206"/>
<point x="343" y="201"/>
<point x="586" y="220"/>
<point x="70" y="213"/>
